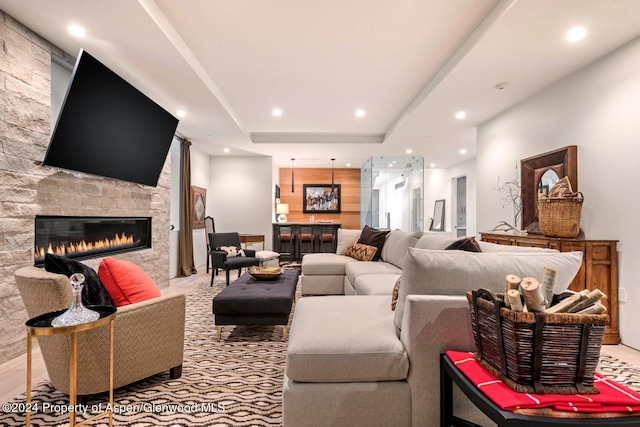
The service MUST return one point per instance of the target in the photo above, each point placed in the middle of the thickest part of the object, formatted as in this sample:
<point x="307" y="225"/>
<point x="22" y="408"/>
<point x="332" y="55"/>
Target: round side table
<point x="40" y="326"/>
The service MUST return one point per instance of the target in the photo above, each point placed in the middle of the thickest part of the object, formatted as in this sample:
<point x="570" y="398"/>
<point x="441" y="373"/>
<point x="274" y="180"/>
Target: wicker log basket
<point x="536" y="352"/>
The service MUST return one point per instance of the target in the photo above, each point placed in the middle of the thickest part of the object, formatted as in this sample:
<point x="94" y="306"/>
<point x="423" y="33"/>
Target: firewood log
<point x="514" y="300"/>
<point x="532" y="292"/>
<point x="511" y="282"/>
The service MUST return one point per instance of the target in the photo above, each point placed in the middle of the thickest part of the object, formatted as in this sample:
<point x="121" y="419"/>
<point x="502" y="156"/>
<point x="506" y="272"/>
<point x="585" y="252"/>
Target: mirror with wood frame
<point x="563" y="162"/>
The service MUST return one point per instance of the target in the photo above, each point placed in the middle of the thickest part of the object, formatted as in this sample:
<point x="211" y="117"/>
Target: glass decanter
<point x="77" y="313"/>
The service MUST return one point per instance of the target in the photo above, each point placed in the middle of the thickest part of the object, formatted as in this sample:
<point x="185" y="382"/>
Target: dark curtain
<point x="186" y="265"/>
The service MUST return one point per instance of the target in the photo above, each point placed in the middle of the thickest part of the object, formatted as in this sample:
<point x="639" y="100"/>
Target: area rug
<point x="234" y="382"/>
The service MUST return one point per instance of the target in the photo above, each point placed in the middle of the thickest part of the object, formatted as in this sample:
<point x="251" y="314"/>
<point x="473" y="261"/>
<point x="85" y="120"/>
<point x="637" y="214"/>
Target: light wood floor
<point x="13" y="374"/>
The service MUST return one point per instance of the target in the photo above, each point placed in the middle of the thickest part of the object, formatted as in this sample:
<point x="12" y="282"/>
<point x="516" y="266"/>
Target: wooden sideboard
<point x="599" y="268"/>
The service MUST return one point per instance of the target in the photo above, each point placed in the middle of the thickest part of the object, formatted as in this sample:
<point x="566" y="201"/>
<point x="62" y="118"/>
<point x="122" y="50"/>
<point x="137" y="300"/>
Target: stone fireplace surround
<point x="28" y="189"/>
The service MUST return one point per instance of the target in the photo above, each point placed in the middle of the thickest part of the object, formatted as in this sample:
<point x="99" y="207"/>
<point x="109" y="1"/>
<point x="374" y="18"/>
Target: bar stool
<point x="286" y="243"/>
<point x="305" y="240"/>
<point x="327" y="235"/>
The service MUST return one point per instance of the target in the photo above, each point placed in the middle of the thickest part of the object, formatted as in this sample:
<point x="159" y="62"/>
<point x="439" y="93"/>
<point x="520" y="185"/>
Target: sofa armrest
<point x="431" y="325"/>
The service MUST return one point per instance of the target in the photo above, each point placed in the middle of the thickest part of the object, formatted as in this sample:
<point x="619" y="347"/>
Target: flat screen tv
<point x="109" y="128"/>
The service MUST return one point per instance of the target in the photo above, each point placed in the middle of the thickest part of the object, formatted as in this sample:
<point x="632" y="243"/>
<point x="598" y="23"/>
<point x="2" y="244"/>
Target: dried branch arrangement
<point x="511" y="196"/>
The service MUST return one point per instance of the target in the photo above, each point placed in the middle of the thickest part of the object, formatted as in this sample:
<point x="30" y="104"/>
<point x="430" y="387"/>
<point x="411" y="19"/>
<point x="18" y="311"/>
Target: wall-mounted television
<point x="109" y="128"/>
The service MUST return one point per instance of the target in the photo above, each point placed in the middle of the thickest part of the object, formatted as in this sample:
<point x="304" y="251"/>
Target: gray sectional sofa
<point x="338" y="274"/>
<point x="352" y="361"/>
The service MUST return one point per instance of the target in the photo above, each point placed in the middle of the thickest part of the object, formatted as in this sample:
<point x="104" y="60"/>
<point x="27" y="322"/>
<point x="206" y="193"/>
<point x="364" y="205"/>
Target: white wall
<point x="175" y="153"/>
<point x="240" y="195"/>
<point x="597" y="109"/>
<point x="438" y="185"/>
<point x="200" y="178"/>
<point x="275" y="180"/>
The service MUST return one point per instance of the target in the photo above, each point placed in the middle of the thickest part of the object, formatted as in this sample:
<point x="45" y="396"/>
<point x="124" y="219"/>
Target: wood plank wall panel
<point x="349" y="179"/>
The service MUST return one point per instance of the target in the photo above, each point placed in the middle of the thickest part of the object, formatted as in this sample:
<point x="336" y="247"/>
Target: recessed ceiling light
<point x="348" y="164"/>
<point x="463" y="151"/>
<point x="432" y="165"/>
<point x="76" y="30"/>
<point x="276" y="112"/>
<point x="360" y="113"/>
<point x="181" y="113"/>
<point x="461" y="115"/>
<point x="576" y="34"/>
<point x="390" y="165"/>
<point x="226" y="150"/>
<point x="409" y="151"/>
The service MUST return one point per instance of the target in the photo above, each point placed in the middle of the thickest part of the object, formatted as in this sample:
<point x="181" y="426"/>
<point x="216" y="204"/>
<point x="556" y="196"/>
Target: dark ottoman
<point x="248" y="301"/>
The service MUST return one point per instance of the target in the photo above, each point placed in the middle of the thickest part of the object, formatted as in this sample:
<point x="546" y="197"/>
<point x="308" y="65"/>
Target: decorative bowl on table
<point x="265" y="273"/>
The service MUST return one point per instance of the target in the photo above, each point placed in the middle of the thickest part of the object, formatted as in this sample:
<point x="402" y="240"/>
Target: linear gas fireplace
<point x="89" y="237"/>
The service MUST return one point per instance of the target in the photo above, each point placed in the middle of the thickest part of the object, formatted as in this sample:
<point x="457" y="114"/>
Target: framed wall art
<point x="321" y="198"/>
<point x="199" y="203"/>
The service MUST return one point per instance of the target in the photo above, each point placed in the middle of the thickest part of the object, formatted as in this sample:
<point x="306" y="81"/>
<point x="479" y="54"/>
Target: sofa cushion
<point x="396" y="245"/>
<point x="468" y="244"/>
<point x="322" y="349"/>
<point x="375" y="284"/>
<point x="345" y="238"/>
<point x="434" y="241"/>
<point x="373" y="237"/>
<point x="324" y="264"/>
<point x="126" y="282"/>
<point x="93" y="291"/>
<point x="360" y="252"/>
<point x="355" y="269"/>
<point x="456" y="272"/>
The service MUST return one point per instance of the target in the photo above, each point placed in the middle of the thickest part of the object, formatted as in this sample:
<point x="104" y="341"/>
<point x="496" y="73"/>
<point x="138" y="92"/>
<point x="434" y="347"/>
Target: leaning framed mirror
<point x="437" y="224"/>
<point x="538" y="174"/>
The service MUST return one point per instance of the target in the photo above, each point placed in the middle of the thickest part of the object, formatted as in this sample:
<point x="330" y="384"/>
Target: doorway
<point x="461" y="206"/>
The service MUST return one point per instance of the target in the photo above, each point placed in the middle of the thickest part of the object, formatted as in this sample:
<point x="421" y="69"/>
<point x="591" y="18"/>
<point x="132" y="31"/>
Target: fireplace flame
<point x="82" y="246"/>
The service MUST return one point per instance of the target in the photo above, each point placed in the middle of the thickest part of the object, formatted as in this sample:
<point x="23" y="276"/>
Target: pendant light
<point x="332" y="163"/>
<point x="292" y="176"/>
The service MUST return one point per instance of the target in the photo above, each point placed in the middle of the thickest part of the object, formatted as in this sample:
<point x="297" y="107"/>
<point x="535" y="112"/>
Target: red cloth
<point x="613" y="397"/>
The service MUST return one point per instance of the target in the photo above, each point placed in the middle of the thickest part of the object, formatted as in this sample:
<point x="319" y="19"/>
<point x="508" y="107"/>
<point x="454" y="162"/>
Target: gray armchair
<point x="219" y="258"/>
<point x="148" y="336"/>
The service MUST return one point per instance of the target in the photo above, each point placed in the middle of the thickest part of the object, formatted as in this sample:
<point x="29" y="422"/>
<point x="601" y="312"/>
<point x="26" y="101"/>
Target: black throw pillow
<point x="373" y="237"/>
<point x="93" y="292"/>
<point x="468" y="244"/>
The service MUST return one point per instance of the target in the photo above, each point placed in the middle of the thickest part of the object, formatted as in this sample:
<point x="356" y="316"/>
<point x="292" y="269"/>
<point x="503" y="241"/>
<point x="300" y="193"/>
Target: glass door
<point x="392" y="193"/>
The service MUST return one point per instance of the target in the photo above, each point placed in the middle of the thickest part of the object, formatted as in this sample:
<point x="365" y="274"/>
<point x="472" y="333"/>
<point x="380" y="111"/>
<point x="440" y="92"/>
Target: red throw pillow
<point x="125" y="282"/>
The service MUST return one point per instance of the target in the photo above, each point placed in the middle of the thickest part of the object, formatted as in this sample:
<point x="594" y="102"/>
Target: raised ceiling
<point x="411" y="65"/>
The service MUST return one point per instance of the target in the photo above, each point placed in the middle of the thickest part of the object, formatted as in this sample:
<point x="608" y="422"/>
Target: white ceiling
<point x="410" y="64"/>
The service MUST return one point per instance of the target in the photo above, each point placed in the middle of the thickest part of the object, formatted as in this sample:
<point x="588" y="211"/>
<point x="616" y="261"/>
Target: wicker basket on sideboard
<point x="560" y="216"/>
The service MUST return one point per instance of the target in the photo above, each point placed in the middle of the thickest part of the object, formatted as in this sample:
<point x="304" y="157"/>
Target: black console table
<point x="449" y="373"/>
